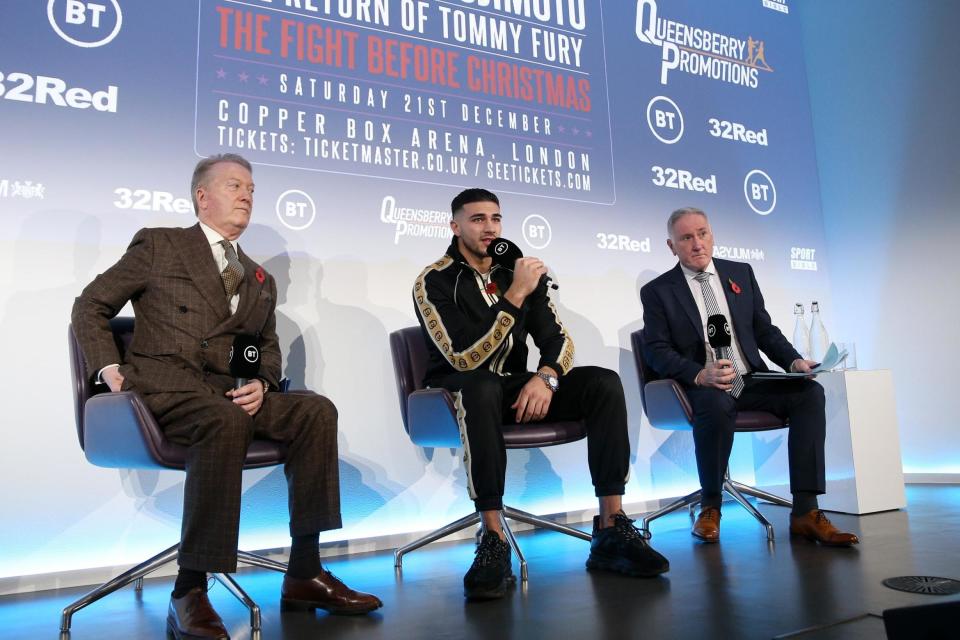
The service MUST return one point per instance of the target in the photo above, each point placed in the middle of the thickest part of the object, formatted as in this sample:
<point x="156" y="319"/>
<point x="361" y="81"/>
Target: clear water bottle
<point x="801" y="334"/>
<point x="819" y="340"/>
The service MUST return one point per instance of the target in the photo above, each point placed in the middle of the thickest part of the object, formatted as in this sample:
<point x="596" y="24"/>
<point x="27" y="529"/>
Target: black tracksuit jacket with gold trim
<point x="470" y="325"/>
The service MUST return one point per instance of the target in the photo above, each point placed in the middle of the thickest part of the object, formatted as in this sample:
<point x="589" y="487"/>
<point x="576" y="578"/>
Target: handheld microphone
<point x="506" y="253"/>
<point x="718" y="334"/>
<point x="244" y="359"/>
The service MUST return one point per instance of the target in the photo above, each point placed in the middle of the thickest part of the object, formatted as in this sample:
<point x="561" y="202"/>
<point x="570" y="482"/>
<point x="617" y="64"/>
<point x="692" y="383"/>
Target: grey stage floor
<point x="741" y="588"/>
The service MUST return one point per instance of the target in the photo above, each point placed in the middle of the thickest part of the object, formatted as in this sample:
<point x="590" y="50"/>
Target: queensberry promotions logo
<point x="85" y="24"/>
<point x="701" y="52"/>
<point x="414" y="222"/>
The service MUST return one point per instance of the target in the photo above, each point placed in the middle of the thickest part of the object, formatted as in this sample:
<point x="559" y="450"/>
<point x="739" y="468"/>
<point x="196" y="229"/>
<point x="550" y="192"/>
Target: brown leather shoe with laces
<point x="815" y="526"/>
<point x="326" y="592"/>
<point x="707" y="526"/>
<point x="193" y="617"/>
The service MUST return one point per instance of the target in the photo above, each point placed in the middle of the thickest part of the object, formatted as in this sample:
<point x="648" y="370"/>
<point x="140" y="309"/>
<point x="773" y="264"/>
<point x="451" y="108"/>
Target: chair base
<point x="737" y="490"/>
<point x="137" y="573"/>
<point x="474" y="518"/>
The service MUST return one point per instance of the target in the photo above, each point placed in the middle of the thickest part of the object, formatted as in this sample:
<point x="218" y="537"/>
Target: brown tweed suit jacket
<point x="184" y="329"/>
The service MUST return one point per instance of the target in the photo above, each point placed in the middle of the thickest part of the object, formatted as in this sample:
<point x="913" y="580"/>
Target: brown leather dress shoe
<point x="192" y="616"/>
<point x="325" y="592"/>
<point x="815" y="526"/>
<point x="707" y="526"/>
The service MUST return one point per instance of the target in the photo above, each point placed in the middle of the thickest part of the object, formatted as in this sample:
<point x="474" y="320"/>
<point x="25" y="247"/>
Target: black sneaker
<point x="622" y="548"/>
<point x="491" y="573"/>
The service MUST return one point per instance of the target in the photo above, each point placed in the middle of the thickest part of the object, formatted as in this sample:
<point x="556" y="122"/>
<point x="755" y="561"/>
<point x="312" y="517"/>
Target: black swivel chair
<point x="667" y="407"/>
<point x="429" y="418"/>
<point x="117" y="431"/>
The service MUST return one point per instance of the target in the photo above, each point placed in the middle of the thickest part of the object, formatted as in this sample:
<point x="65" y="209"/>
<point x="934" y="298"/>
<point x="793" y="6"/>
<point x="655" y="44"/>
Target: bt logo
<point x="665" y="119"/>
<point x="760" y="192"/>
<point x="295" y="209"/>
<point x="85" y="24"/>
<point x="536" y="231"/>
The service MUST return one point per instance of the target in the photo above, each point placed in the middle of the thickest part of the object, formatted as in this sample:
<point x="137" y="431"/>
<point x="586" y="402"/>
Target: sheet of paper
<point x="831" y="359"/>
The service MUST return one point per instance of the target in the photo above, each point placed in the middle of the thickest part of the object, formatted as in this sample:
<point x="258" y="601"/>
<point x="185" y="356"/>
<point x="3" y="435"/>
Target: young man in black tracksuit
<point x="476" y="317"/>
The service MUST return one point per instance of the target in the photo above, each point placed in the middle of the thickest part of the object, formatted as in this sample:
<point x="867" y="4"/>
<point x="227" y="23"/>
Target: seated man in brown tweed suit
<point x="193" y="292"/>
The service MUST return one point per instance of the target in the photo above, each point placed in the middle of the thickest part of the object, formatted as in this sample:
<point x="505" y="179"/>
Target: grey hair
<point x="203" y="168"/>
<point x="679" y="213"/>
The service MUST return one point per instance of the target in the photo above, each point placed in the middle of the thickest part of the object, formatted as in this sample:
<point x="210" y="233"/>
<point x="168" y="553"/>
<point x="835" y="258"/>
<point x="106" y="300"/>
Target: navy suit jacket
<point x="673" y="340"/>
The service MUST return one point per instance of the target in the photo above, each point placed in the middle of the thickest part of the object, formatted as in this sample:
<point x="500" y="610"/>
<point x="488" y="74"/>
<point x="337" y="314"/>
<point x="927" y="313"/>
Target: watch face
<point x="550" y="381"/>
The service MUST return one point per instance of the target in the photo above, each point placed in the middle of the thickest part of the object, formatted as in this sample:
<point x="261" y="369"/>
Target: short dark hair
<point x="203" y="168"/>
<point x="472" y="195"/>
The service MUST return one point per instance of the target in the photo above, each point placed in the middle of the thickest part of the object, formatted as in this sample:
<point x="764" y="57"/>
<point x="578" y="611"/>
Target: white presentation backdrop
<point x="363" y="120"/>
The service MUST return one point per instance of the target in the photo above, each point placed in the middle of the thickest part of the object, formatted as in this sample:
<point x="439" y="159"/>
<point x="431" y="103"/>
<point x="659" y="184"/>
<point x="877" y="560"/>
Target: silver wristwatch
<point x="551" y="381"/>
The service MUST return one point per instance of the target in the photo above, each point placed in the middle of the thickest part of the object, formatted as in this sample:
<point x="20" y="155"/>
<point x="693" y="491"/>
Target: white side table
<point x="863" y="464"/>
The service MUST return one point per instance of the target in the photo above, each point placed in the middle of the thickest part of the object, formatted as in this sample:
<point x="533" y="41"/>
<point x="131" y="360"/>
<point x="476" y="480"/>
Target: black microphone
<point x="718" y="333"/>
<point x="244" y="359"/>
<point x="506" y="253"/>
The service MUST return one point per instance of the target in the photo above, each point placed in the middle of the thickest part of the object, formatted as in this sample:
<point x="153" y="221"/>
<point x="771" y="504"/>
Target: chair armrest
<point x="668" y="406"/>
<point x="121" y="432"/>
<point x="432" y="416"/>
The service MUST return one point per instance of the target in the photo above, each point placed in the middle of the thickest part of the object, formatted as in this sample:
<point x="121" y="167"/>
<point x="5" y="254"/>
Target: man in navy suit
<point x="676" y="306"/>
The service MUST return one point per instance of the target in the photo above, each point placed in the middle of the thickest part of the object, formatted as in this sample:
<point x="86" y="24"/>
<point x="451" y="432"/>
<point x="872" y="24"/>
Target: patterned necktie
<point x="726" y="353"/>
<point x="232" y="274"/>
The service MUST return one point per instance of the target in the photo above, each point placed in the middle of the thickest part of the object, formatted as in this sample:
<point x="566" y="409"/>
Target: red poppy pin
<point x="734" y="286"/>
<point x="491" y="288"/>
<point x="260" y="275"/>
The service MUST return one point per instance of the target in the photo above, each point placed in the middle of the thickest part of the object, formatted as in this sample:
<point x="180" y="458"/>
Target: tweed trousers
<point x="217" y="434"/>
